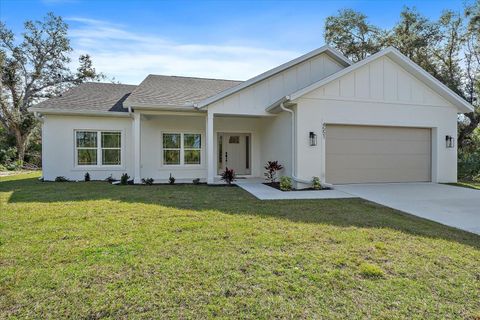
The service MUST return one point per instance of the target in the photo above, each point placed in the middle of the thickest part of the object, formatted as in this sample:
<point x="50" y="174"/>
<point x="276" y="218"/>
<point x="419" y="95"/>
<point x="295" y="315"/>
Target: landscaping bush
<point x="196" y="181"/>
<point x="468" y="165"/>
<point x="316" y="184"/>
<point x="272" y="168"/>
<point x="285" y="183"/>
<point x="228" y="175"/>
<point x="124" y="179"/>
<point x="171" y="179"/>
<point x="61" y="179"/>
<point x="147" y="181"/>
<point x="87" y="177"/>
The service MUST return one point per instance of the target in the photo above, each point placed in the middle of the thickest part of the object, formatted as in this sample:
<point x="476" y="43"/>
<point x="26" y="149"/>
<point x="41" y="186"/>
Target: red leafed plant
<point x="272" y="168"/>
<point x="228" y="175"/>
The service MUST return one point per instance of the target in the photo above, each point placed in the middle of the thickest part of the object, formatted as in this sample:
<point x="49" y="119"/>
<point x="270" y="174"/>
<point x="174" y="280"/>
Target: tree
<point x="352" y="34"/>
<point x="471" y="120"/>
<point x="34" y="69"/>
<point x="415" y="36"/>
<point x="449" y="49"/>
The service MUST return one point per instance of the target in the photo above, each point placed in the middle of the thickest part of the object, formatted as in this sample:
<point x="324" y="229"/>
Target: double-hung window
<point x="98" y="148"/>
<point x="182" y="148"/>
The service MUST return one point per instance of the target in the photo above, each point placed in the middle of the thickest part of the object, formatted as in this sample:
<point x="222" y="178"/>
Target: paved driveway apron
<point x="453" y="206"/>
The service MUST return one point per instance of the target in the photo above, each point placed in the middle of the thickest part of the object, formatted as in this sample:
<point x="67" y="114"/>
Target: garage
<point x="370" y="154"/>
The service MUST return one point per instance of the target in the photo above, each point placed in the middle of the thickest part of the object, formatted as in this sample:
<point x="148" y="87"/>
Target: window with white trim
<point x="98" y="148"/>
<point x="182" y="148"/>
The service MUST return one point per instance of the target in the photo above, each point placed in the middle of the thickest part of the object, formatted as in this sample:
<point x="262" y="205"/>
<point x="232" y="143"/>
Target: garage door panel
<point x="341" y="146"/>
<point x="362" y="154"/>
<point x="371" y="133"/>
<point x="377" y="176"/>
<point x="381" y="161"/>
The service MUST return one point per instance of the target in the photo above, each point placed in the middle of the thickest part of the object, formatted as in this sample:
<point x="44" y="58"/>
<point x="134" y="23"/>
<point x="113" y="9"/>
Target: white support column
<point x="210" y="156"/>
<point x="137" y="147"/>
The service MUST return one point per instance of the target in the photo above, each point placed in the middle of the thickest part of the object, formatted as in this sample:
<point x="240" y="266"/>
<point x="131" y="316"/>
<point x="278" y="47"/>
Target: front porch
<point x="200" y="145"/>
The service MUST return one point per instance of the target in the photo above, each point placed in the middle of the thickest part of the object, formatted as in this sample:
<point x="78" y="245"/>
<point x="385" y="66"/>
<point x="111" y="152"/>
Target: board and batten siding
<point x="254" y="99"/>
<point x="380" y="93"/>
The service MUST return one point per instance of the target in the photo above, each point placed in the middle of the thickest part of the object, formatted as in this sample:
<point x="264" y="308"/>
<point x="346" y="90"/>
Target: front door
<point x="235" y="152"/>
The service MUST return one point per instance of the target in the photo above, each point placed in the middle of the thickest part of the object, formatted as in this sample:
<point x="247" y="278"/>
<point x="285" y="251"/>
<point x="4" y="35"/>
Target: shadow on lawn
<point x="233" y="200"/>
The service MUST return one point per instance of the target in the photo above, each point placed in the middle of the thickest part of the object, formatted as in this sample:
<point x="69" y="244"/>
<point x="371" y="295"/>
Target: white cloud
<point x="130" y="56"/>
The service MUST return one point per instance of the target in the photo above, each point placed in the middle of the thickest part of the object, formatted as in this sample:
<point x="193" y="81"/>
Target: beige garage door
<point x="362" y="154"/>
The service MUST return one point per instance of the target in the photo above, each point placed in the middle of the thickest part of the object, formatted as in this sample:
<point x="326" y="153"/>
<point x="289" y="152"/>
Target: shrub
<point x="228" y="175"/>
<point x="87" y="177"/>
<point x="147" y="181"/>
<point x="171" y="179"/>
<point x="124" y="179"/>
<point x="61" y="179"/>
<point x="468" y="164"/>
<point x="196" y="181"/>
<point x="285" y="183"/>
<point x="8" y="155"/>
<point x="272" y="168"/>
<point x="317" y="185"/>
<point x="371" y="271"/>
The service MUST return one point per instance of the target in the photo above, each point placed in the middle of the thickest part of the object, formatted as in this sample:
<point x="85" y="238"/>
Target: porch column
<point x="210" y="156"/>
<point x="136" y="147"/>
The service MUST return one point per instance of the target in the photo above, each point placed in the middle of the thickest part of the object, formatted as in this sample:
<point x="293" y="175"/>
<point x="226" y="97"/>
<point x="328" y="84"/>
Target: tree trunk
<point x="21" y="144"/>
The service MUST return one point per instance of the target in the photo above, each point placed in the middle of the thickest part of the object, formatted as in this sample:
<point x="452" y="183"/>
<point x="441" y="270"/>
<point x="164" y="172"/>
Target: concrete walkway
<point x="453" y="206"/>
<point x="263" y="192"/>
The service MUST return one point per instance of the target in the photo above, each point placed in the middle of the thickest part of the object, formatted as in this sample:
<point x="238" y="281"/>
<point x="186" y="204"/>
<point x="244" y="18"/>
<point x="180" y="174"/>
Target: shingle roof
<point x="174" y="91"/>
<point x="90" y="96"/>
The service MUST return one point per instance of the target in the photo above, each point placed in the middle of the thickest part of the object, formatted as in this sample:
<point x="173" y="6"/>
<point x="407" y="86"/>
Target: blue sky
<point x="217" y="39"/>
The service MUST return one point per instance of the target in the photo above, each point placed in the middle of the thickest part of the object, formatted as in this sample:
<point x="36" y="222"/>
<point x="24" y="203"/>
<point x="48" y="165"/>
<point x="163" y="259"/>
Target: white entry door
<point x="235" y="149"/>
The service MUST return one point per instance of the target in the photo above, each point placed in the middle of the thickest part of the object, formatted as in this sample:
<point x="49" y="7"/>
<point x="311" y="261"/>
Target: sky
<point x="237" y="40"/>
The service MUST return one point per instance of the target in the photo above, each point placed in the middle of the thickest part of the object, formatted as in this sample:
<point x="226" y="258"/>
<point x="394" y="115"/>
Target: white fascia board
<point x="327" y="49"/>
<point x="165" y="107"/>
<point x="406" y="63"/>
<point x="80" y="112"/>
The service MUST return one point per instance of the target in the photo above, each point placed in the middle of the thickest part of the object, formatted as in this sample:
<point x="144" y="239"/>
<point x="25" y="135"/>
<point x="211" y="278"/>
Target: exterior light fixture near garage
<point x="313" y="139"/>
<point x="450" y="141"/>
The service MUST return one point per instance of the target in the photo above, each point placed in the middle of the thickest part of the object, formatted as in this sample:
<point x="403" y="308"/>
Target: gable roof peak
<point x="333" y="53"/>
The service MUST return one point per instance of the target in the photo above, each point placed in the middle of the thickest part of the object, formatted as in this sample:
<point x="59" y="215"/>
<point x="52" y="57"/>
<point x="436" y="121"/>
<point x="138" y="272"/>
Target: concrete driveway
<point x="453" y="206"/>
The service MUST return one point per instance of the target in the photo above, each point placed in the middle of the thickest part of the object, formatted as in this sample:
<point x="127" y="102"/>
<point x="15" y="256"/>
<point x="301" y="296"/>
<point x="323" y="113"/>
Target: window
<point x="171" y="148"/>
<point x="111" y="153"/>
<point x="98" y="148"/>
<point x="191" y="144"/>
<point x="182" y="148"/>
<point x="247" y="152"/>
<point x="86" y="148"/>
<point x="234" y="139"/>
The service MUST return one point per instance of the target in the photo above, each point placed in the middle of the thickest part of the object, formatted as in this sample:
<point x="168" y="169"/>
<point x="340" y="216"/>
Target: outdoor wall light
<point x="449" y="141"/>
<point x="313" y="139"/>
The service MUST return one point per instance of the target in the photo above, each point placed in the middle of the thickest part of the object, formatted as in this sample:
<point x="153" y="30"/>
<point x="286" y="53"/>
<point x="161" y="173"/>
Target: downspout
<point x="292" y="113"/>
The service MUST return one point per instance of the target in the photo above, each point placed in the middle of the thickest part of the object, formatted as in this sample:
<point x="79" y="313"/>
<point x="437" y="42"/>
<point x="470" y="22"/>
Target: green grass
<point x="467" y="184"/>
<point x="93" y="250"/>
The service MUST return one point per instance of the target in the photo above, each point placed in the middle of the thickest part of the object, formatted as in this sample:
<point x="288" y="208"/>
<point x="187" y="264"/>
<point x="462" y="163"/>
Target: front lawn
<point x="93" y="250"/>
<point x="468" y="184"/>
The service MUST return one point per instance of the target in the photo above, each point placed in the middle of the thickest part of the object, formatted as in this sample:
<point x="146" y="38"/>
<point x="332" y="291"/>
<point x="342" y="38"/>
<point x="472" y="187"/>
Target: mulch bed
<point x="276" y="185"/>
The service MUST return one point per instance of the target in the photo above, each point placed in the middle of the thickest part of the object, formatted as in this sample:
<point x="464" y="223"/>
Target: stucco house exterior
<point x="383" y="119"/>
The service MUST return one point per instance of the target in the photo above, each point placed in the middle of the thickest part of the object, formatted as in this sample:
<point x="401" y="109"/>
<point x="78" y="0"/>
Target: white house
<point x="383" y="119"/>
